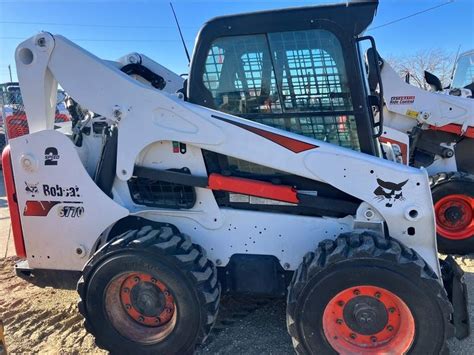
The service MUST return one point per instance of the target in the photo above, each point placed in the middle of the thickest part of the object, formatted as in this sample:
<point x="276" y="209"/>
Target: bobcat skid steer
<point x="175" y="203"/>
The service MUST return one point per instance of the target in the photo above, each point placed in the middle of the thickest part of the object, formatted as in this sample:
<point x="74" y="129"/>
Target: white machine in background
<point x="435" y="130"/>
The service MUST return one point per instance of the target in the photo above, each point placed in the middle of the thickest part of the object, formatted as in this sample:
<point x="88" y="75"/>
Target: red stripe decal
<point x="39" y="208"/>
<point x="13" y="204"/>
<point x="292" y="144"/>
<point x="253" y="188"/>
<point x="456" y="129"/>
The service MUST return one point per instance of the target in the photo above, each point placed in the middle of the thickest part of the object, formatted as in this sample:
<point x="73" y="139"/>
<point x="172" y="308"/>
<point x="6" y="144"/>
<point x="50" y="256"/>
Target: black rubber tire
<point x="444" y="184"/>
<point x="355" y="259"/>
<point x="168" y="256"/>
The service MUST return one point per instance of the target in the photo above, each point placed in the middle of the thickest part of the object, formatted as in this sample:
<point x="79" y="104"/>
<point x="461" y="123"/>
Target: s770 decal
<point x="42" y="208"/>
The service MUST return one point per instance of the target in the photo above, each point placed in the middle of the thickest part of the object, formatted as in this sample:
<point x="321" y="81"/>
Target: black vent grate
<point x="155" y="193"/>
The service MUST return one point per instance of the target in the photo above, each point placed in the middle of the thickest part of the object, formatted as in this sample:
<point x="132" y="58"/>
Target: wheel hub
<point x="454" y="214"/>
<point x="365" y="315"/>
<point x="147" y="300"/>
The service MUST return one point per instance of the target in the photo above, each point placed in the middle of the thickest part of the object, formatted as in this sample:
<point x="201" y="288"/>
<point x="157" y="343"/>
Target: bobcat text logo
<point x="389" y="192"/>
<point x="51" y="156"/>
<point x="61" y="191"/>
<point x="31" y="189"/>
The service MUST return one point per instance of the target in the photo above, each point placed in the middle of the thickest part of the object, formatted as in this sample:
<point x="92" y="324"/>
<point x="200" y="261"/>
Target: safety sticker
<point x="412" y="113"/>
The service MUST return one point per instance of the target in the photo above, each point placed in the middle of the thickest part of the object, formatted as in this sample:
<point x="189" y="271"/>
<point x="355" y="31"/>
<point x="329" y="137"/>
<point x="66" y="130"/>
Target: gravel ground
<point x="47" y="320"/>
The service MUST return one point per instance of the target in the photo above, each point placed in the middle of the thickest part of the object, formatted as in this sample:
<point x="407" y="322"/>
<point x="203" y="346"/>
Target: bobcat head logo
<point x="389" y="192"/>
<point x="31" y="189"/>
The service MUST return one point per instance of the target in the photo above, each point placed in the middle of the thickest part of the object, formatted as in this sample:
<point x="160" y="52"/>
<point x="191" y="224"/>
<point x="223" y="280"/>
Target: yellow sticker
<point x="412" y="114"/>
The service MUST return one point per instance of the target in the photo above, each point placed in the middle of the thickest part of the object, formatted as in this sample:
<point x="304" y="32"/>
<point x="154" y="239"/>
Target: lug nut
<point x="126" y="290"/>
<point x="158" y="320"/>
<point x="391" y="310"/>
<point x="127" y="306"/>
<point x="340" y="303"/>
<point x="389" y="328"/>
<point x="356" y="292"/>
<point x="136" y="279"/>
<point x="353" y="336"/>
<point x="153" y="280"/>
<point x="168" y="310"/>
<point x="141" y="319"/>
<point x="339" y="321"/>
<point x="166" y="293"/>
<point x="373" y="339"/>
<point x="377" y="295"/>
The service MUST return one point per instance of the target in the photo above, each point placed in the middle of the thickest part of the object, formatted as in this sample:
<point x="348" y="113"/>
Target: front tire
<point x="149" y="291"/>
<point x="366" y="294"/>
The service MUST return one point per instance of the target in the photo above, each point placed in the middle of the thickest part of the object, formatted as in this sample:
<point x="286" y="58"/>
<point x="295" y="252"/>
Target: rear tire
<point x="149" y="291"/>
<point x="453" y="199"/>
<point x="363" y="293"/>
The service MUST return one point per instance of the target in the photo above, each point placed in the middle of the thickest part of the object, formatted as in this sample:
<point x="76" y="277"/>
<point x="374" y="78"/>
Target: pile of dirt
<point x="38" y="319"/>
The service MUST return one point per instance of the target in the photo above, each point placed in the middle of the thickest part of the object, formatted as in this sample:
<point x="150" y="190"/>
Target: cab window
<point x="294" y="81"/>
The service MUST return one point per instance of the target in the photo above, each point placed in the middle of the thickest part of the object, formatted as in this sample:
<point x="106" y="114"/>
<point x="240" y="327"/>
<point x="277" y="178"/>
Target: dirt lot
<point x="46" y="320"/>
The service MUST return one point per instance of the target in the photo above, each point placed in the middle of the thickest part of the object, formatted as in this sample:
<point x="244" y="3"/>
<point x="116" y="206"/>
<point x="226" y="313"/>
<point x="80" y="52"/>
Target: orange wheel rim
<point x="454" y="217"/>
<point x="368" y="319"/>
<point x="140" y="307"/>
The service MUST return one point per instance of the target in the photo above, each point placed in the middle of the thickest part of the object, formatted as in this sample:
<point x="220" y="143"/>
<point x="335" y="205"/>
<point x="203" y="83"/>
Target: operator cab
<point x="464" y="73"/>
<point x="296" y="69"/>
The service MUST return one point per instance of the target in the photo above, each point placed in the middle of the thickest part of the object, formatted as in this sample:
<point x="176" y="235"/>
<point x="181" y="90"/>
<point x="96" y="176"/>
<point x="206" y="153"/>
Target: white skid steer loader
<point x="434" y="130"/>
<point x="167" y="203"/>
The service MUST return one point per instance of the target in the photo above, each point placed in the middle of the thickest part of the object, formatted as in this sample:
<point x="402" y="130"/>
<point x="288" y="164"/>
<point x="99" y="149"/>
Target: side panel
<point x="288" y="237"/>
<point x="404" y="200"/>
<point x="62" y="211"/>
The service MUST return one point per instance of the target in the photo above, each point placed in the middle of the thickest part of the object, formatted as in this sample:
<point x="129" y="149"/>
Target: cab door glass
<point x="295" y="81"/>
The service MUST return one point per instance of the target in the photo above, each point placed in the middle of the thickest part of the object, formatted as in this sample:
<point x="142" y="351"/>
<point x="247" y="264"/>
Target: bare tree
<point x="437" y="61"/>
